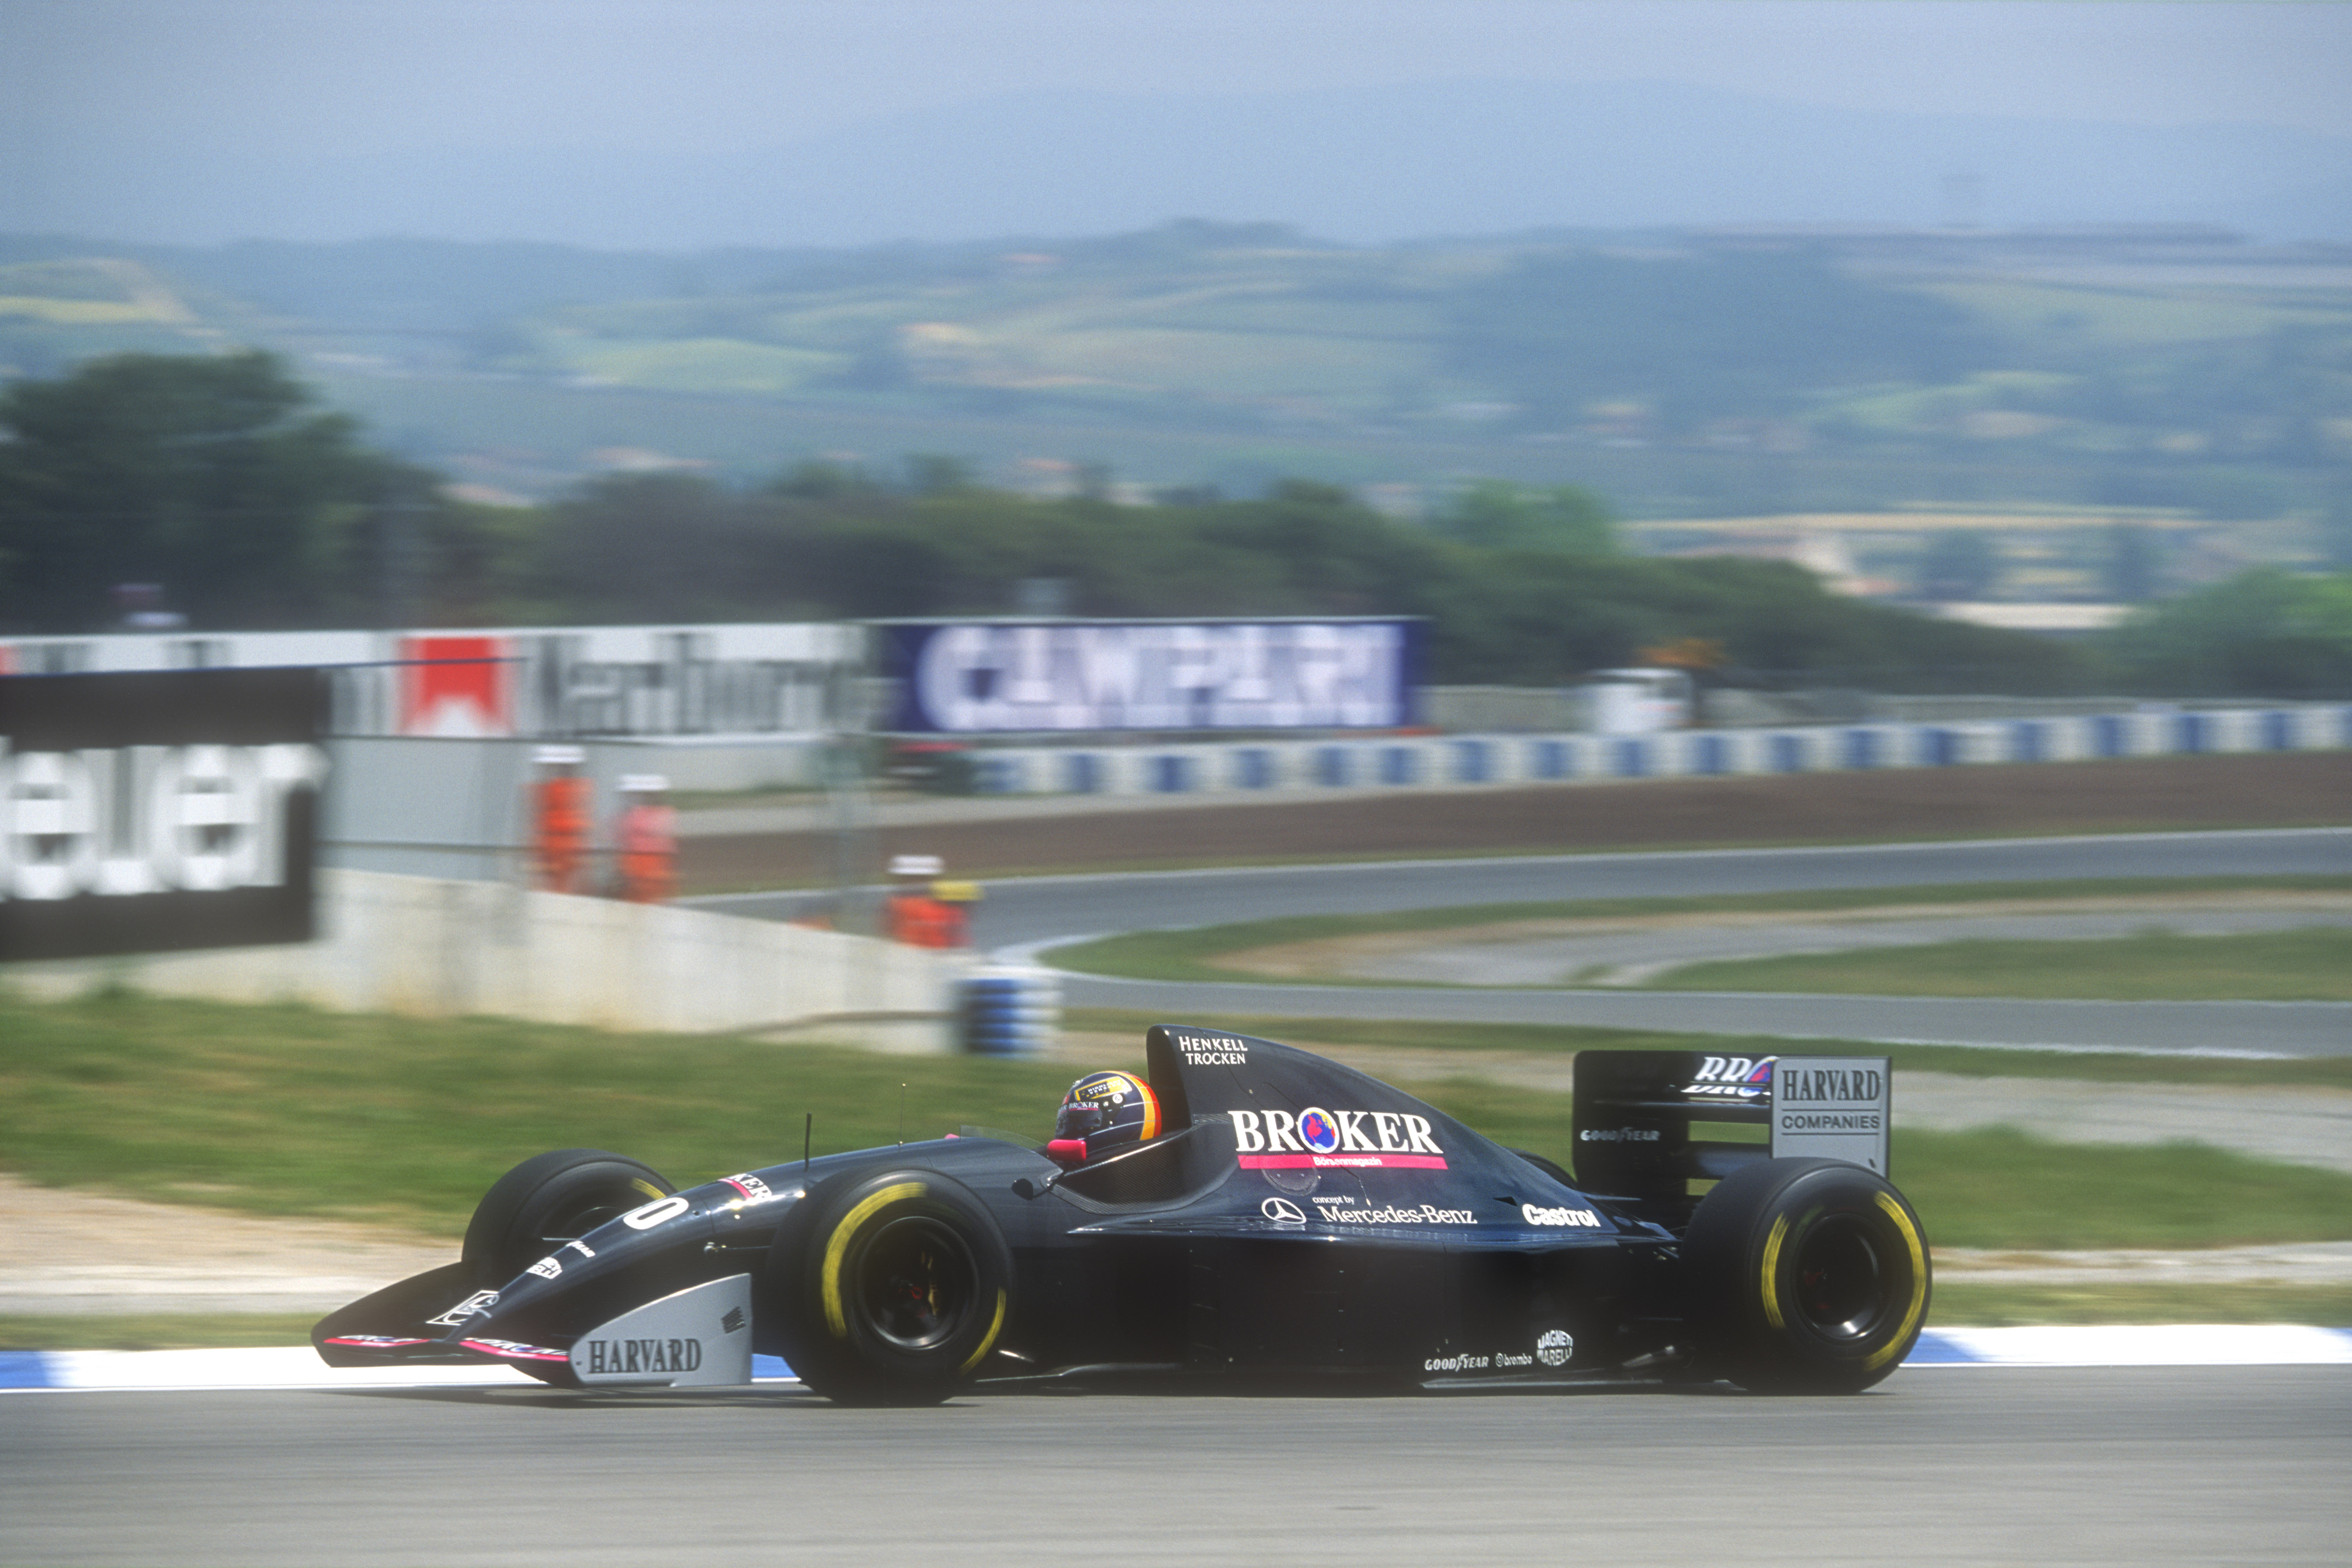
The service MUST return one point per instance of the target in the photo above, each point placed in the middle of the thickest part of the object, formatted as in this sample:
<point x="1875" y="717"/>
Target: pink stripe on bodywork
<point x="1342" y="1161"/>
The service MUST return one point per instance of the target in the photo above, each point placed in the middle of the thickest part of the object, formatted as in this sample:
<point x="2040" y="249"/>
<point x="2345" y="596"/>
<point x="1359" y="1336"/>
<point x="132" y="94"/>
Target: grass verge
<point x="154" y="1330"/>
<point x="286" y="1110"/>
<point x="1992" y="1306"/>
<point x="2314" y="964"/>
<point x="1994" y="1186"/>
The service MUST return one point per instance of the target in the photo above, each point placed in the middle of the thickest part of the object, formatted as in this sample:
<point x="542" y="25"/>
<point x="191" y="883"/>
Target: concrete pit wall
<point x="430" y="948"/>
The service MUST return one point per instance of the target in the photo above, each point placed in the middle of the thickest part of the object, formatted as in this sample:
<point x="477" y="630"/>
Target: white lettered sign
<point x="1833" y="1107"/>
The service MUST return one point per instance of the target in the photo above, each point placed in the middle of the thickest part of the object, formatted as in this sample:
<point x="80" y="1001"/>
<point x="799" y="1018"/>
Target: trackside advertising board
<point x="1011" y="676"/>
<point x="549" y="682"/>
<point x="1831" y="1108"/>
<point x="154" y="811"/>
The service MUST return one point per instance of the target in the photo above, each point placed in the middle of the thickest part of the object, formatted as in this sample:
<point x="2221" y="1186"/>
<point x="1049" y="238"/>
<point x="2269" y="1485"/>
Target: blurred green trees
<point x="215" y="477"/>
<point x="219" y="478"/>
<point x="2264" y="632"/>
<point x="1520" y="586"/>
<point x="1561" y="518"/>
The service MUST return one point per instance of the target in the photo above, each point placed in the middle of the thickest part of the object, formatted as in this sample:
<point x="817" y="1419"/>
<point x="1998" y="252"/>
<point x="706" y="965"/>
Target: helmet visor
<point x="1081" y="1121"/>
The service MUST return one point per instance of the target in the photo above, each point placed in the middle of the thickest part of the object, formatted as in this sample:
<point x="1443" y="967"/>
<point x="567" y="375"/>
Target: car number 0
<point x="659" y="1212"/>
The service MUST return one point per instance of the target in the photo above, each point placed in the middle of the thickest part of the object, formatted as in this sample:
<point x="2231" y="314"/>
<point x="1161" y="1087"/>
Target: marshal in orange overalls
<point x="649" y="834"/>
<point x="561" y="820"/>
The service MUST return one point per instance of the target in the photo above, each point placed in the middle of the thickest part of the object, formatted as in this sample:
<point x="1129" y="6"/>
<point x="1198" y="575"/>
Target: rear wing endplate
<point x="1641" y="1116"/>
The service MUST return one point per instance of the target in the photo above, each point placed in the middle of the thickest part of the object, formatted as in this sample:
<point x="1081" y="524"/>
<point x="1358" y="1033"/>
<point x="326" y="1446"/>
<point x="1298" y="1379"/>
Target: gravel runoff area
<point x="1640" y="950"/>
<point x="77" y="1252"/>
<point x="734" y="849"/>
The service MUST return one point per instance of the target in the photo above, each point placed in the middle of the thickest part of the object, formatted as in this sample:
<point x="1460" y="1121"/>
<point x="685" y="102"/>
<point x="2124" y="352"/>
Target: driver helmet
<point x="1107" y="1111"/>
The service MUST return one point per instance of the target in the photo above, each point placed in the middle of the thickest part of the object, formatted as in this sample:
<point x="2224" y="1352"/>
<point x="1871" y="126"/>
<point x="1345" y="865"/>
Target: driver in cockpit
<point x="1102" y="1112"/>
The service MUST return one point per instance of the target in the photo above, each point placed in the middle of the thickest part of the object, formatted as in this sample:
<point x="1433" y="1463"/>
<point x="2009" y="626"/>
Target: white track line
<point x="297" y="1367"/>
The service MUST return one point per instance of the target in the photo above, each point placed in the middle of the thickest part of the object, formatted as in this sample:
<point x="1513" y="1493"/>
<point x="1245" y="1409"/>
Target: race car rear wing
<point x="1641" y="1117"/>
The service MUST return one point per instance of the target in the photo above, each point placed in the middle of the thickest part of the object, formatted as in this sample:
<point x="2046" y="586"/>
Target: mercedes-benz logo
<point x="1282" y="1211"/>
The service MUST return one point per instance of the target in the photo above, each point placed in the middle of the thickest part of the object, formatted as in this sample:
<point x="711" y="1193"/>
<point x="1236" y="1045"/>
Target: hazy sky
<point x="86" y="85"/>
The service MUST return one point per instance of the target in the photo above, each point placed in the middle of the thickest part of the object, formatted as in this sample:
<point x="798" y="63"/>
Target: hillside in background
<point x="2179" y="377"/>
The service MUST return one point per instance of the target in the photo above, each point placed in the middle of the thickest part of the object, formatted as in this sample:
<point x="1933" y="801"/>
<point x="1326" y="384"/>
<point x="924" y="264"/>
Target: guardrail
<point x="1469" y="761"/>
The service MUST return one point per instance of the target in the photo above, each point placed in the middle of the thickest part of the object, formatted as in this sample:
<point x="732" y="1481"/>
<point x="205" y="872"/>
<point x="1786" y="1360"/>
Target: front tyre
<point x="548" y="1200"/>
<point x="1811" y="1277"/>
<point x="893" y="1290"/>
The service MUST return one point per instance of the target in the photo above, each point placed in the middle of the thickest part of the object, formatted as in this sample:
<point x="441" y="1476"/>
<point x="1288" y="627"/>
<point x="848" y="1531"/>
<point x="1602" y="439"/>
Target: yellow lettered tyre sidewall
<point x="1914" y="1312"/>
<point x="1808" y="1276"/>
<point x="840" y="1286"/>
<point x="837" y="1250"/>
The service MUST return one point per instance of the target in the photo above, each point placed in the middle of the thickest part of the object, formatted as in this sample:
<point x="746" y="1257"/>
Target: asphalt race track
<point x="1019" y="910"/>
<point x="1026" y="914"/>
<point x="1937" y="1466"/>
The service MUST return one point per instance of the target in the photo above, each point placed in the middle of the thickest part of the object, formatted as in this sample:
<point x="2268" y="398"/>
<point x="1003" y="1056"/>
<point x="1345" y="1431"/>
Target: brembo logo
<point x="552" y="1265"/>
<point x="148" y="819"/>
<point x="1346" y="1139"/>
<point x="473" y="1306"/>
<point x="608" y="1358"/>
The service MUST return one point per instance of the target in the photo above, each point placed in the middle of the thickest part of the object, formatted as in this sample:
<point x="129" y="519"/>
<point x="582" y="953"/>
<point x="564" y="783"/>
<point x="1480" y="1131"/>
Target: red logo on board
<point x="454" y="686"/>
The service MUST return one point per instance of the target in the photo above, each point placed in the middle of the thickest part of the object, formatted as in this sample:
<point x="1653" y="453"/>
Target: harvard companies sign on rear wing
<point x="152" y="811"/>
<point x="1833" y="1107"/>
<point x="1640" y="1116"/>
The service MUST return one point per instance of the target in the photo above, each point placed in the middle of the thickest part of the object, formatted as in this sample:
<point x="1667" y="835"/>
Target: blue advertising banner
<point x="151" y="811"/>
<point x="1006" y="677"/>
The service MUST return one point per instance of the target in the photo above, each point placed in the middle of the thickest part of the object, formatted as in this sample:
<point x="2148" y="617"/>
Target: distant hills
<point x="1728" y="369"/>
<point x="1364" y="165"/>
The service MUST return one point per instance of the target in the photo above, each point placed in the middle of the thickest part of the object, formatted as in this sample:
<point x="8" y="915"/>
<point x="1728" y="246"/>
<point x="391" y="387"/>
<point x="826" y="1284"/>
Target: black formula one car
<point x="1299" y="1218"/>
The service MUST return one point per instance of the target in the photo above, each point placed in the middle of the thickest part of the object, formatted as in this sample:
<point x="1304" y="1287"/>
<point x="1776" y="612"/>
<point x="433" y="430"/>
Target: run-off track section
<point x="2242" y="1465"/>
<point x="1026" y="915"/>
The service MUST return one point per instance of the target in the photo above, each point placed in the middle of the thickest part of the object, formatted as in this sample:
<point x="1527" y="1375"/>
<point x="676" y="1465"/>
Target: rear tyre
<point x="548" y="1200"/>
<point x="893" y="1290"/>
<point x="1811" y="1277"/>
